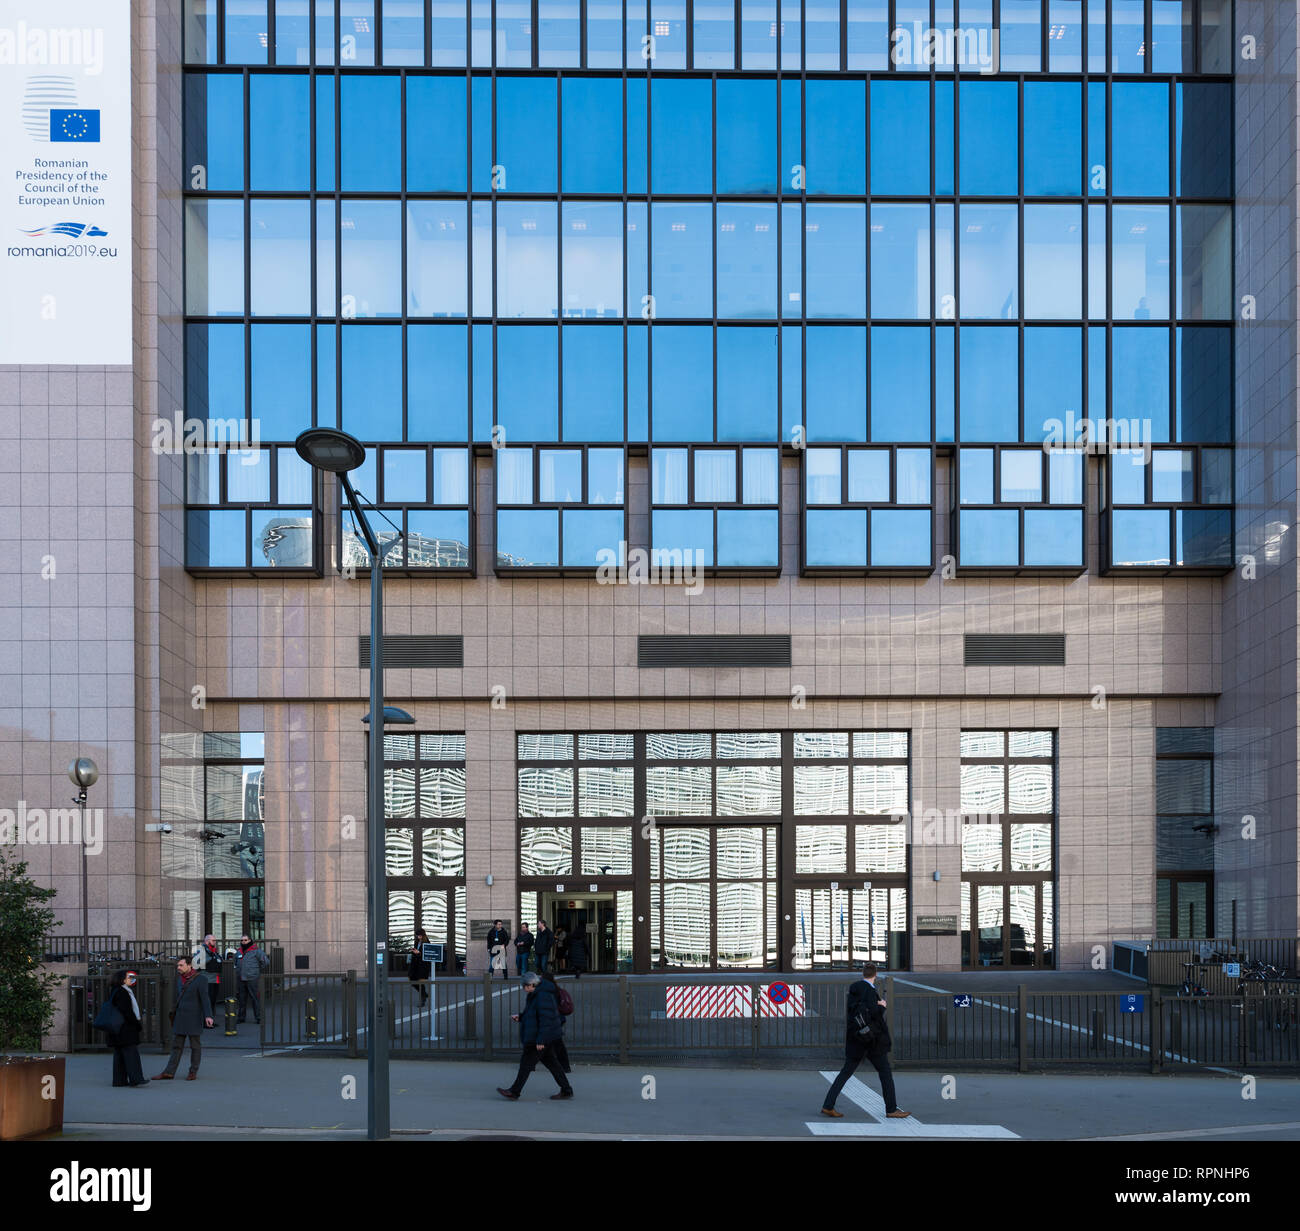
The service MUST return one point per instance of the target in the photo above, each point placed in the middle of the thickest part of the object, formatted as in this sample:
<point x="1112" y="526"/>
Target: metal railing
<point x="60" y="947"/>
<point x="622" y="1017"/>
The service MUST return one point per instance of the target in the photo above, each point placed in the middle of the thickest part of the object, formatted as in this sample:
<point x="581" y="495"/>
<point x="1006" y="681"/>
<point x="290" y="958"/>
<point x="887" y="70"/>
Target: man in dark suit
<point x="866" y="1004"/>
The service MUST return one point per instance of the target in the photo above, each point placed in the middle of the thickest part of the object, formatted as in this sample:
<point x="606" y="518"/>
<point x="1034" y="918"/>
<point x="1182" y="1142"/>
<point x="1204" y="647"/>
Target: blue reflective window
<point x="988" y="154"/>
<point x="1053" y="382"/>
<point x="372" y="381"/>
<point x="371" y="282"/>
<point x="279" y="151"/>
<point x="715" y="476"/>
<point x="1066" y="47"/>
<point x="791" y="382"/>
<point x="514" y="476"/>
<point x="200" y="24"/>
<point x="682" y="375"/>
<point x="1173" y="477"/>
<point x="248" y="476"/>
<point x="1098" y="183"/>
<point x="746" y="261"/>
<point x="214" y="538"/>
<point x="747" y="376"/>
<point x="371" y="118"/>
<point x="900" y="382"/>
<point x="900" y="261"/>
<point x="450" y="476"/>
<point x="636" y="134"/>
<point x="835" y="252"/>
<point x="835" y="537"/>
<point x="480" y="139"/>
<point x="436" y="156"/>
<point x="403" y="32"/>
<point x="559" y="38"/>
<point x="822" y="34"/>
<point x="528" y="537"/>
<point x="758" y="33"/>
<point x="683" y="530"/>
<point x="447" y="28"/>
<point x="357" y="31"/>
<point x="1127" y="37"/>
<point x="1054" y="537"/>
<point x="835" y="128"/>
<point x="481" y="412"/>
<point x="989" y="253"/>
<point x="280" y="257"/>
<point x="1139" y="387"/>
<point x="281" y="401"/>
<point x="246" y="32"/>
<point x="822" y="476"/>
<point x="976" y="475"/>
<point x="324" y="32"/>
<point x="638" y="261"/>
<point x="1128" y="477"/>
<point x="945" y="384"/>
<point x="749" y="538"/>
<point x="1203" y="138"/>
<point x="281" y="538"/>
<point x="438" y="536"/>
<point x="526" y="259"/>
<point x="668" y="24"/>
<point x="638" y="383"/>
<point x="1140" y="138"/>
<point x="1020" y="29"/>
<point x="681" y="248"/>
<point x="1021" y="477"/>
<point x="792" y="177"/>
<point x="325" y="168"/>
<point x="913" y="466"/>
<point x="437" y="388"/>
<point x="1203" y="538"/>
<point x="989" y="363"/>
<point x="900" y="538"/>
<point x="605" y="33"/>
<point x="436" y="270"/>
<point x="944" y="142"/>
<point x="669" y="476"/>
<point x="1139" y="266"/>
<point x="406" y="479"/>
<point x="1169" y="55"/>
<point x="559" y="476"/>
<point x="525" y="152"/>
<point x="514" y="34"/>
<point x="214" y="130"/>
<point x="1204" y="274"/>
<point x="869" y="476"/>
<point x="867" y="34"/>
<point x="760" y="476"/>
<point x="592" y="536"/>
<point x="293" y="478"/>
<point x="327" y="297"/>
<point x="1203" y="393"/>
<point x="214" y="258"/>
<point x="592" y="237"/>
<point x="1053" y="132"/>
<point x="791" y="35"/>
<point x="592" y="145"/>
<point x="1139" y="536"/>
<point x="714" y="44"/>
<point x="327" y="386"/>
<point x="681" y="127"/>
<point x="836" y="399"/>
<point x="1053" y="262"/>
<point x="792" y="233"/>
<point x="593" y="382"/>
<point x="747" y="158"/>
<point x="605" y="476"/>
<point x="990" y="538"/>
<point x="1065" y="477"/>
<point x="528" y="382"/>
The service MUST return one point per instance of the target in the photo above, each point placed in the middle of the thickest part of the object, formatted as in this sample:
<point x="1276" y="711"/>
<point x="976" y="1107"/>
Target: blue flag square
<point x="75" y="125"/>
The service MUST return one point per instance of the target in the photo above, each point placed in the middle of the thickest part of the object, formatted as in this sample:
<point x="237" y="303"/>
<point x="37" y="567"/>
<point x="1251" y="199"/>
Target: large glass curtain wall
<point x="573" y="248"/>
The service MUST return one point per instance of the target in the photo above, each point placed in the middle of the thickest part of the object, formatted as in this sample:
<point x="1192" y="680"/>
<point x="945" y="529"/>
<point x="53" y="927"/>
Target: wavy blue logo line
<point x="73" y="230"/>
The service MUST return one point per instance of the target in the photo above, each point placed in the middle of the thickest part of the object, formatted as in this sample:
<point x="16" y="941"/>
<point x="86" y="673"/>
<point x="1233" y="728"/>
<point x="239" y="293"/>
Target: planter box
<point x="24" y="1111"/>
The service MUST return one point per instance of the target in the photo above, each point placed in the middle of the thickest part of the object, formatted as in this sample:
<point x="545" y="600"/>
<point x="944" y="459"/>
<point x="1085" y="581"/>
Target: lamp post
<point x="84" y="773"/>
<point x="328" y="449"/>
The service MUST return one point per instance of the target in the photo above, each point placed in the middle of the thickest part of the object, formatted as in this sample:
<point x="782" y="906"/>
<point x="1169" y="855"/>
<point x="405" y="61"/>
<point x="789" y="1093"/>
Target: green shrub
<point x="26" y="996"/>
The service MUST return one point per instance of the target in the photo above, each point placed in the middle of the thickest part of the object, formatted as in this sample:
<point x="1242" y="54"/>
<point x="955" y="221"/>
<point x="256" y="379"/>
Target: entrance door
<point x="232" y="910"/>
<point x="1184" y="906"/>
<point x="847" y="927"/>
<point x="1008" y="924"/>
<point x="597" y="915"/>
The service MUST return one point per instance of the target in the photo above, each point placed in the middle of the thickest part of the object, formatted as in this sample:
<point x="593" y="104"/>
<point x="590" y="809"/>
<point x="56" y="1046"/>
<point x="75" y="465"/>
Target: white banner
<point x="65" y="181"/>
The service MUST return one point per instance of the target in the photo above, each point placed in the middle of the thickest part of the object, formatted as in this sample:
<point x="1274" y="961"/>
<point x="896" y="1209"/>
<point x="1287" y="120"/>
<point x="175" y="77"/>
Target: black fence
<point x="627" y="1017"/>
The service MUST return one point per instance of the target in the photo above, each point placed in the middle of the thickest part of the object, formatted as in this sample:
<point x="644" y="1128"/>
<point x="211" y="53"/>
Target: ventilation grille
<point x="743" y="651"/>
<point x="415" y="651"/>
<point x="1015" y="650"/>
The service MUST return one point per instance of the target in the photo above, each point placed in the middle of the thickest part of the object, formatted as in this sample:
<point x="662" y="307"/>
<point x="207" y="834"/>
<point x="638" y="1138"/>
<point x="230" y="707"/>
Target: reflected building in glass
<point x="834" y="463"/>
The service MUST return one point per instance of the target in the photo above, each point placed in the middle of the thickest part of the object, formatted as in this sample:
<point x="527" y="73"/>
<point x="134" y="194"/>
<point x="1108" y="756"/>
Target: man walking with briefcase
<point x="867" y="1036"/>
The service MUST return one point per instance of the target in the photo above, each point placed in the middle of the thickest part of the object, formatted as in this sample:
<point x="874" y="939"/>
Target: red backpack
<point x="564" y="1001"/>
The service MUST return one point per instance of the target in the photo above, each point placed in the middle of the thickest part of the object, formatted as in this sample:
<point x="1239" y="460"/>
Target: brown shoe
<point x="195" y="1077"/>
<point x="830" y="1111"/>
<point x="510" y="1094"/>
<point x="897" y="1115"/>
<point x="164" y="1077"/>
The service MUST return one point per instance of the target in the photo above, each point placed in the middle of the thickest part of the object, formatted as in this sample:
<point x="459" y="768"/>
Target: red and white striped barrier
<point x="730" y="1000"/>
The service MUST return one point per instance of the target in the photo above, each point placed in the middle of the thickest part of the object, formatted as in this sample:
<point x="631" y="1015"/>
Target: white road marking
<point x="1051" y="1021"/>
<point x="410" y="1017"/>
<point x="871" y="1102"/>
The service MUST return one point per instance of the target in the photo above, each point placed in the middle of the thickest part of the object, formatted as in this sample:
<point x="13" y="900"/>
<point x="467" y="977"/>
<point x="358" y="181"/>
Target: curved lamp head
<point x="393" y="715"/>
<point x="83" y="772"/>
<point x="326" y="448"/>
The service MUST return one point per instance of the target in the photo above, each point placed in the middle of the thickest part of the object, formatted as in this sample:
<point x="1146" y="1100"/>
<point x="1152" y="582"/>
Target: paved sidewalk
<point x="289" y="1096"/>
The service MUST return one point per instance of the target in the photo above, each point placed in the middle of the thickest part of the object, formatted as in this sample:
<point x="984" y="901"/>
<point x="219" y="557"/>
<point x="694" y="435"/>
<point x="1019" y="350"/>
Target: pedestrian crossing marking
<point x="862" y="1096"/>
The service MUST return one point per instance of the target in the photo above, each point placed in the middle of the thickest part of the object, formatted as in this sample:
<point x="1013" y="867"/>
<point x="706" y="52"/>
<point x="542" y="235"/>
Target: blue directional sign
<point x="961" y="1002"/>
<point x="1132" y="1004"/>
<point x="1232" y="970"/>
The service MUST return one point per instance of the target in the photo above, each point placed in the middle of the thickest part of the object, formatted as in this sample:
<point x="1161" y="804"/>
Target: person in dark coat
<point x="249" y="966"/>
<point x="207" y="958"/>
<point x="126" y="1042"/>
<point x="865" y="1001"/>
<point x="523" y="947"/>
<point x="188" y="1019"/>
<point x="497" y="940"/>
<point x="539" y="1028"/>
<point x="418" y="969"/>
<point x="578" y="950"/>
<point x="543" y="943"/>
<point x="561" y="1052"/>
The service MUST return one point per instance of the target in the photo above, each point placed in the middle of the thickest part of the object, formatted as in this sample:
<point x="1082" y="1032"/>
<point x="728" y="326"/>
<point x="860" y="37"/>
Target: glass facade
<point x="718" y="235"/>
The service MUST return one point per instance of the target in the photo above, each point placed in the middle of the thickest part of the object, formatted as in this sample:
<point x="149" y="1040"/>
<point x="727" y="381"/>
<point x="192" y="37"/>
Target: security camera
<point x="163" y="828"/>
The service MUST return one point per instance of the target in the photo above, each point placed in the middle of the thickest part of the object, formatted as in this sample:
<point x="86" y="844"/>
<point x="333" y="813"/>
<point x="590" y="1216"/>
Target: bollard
<point x="941" y="1027"/>
<point x="232" y="1027"/>
<point x="311" y="1017"/>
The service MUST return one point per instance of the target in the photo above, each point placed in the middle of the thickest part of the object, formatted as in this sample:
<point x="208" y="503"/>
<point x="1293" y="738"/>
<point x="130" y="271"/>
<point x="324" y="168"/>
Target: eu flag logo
<point x="75" y="125"/>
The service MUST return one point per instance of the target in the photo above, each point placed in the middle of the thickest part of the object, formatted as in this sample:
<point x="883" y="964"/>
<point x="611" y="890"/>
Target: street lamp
<point x="326" y="448"/>
<point x="84" y="773"/>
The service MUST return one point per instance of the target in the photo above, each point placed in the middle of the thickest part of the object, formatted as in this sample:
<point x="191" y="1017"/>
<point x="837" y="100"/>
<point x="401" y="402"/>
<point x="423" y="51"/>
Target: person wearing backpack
<point x="539" y="1027"/>
<point x="866" y="1036"/>
<point x="563" y="1002"/>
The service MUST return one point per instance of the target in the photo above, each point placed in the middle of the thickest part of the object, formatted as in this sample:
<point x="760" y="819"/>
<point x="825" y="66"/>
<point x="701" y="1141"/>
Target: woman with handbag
<point x="125" y="1040"/>
<point x="417" y="969"/>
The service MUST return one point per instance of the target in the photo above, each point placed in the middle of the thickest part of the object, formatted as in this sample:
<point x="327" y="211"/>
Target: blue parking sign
<point x="1232" y="970"/>
<point x="961" y="1002"/>
<point x="1131" y="1004"/>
